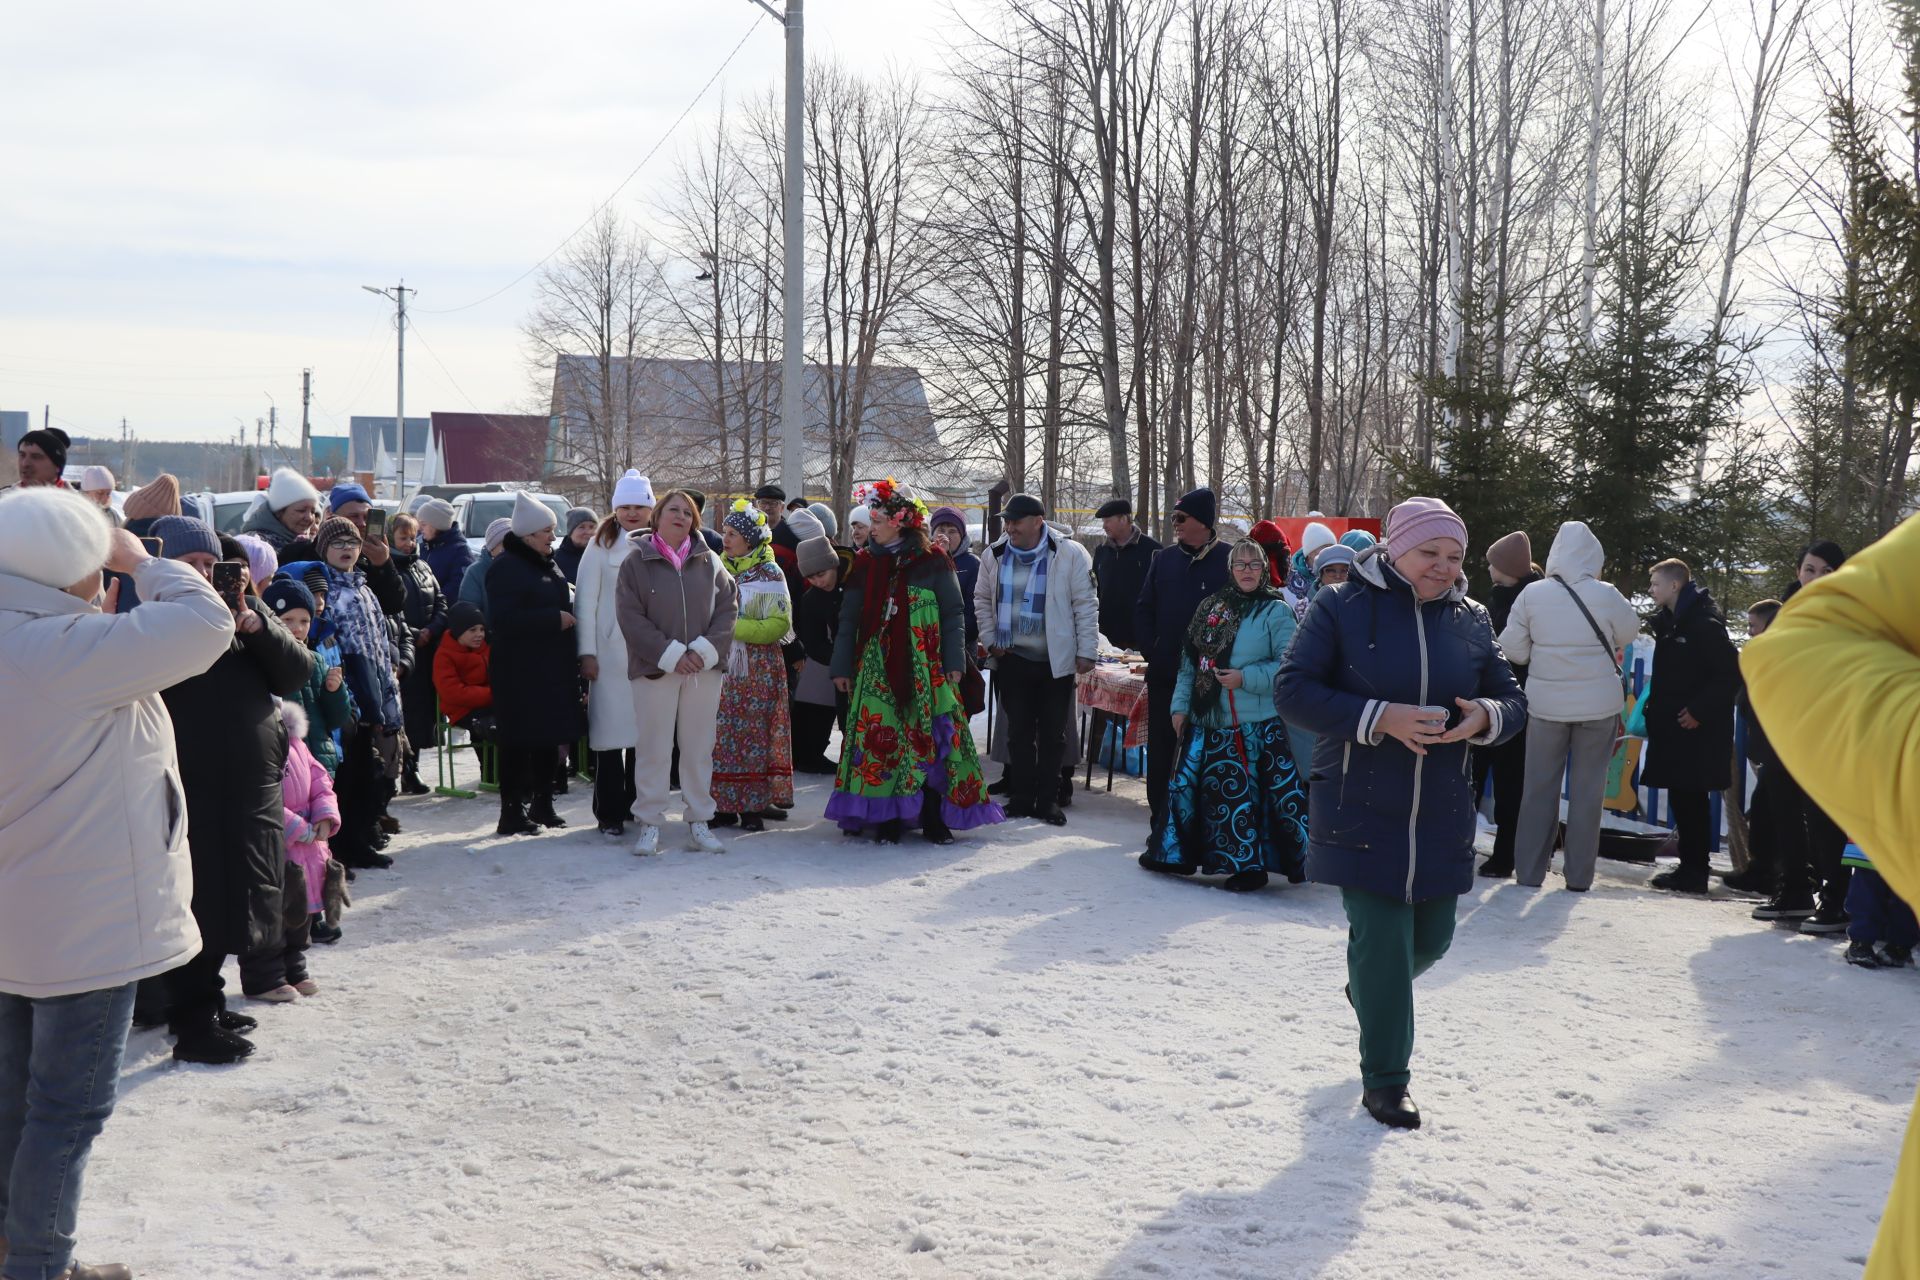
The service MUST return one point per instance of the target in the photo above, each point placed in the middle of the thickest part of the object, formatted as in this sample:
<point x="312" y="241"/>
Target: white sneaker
<point x="649" y="842"/>
<point x="700" y="838"/>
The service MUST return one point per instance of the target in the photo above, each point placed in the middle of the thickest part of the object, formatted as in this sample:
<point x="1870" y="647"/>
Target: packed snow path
<point x="1019" y="1056"/>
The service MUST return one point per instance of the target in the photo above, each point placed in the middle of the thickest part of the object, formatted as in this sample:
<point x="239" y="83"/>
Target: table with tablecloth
<point x="1112" y="687"/>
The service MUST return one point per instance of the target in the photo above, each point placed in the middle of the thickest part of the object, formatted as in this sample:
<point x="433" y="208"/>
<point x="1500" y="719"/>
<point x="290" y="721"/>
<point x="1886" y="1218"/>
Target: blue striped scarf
<point x="1032" y="610"/>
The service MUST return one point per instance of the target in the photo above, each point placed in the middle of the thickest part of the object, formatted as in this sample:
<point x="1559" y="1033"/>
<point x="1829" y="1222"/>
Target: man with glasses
<point x="1182" y="575"/>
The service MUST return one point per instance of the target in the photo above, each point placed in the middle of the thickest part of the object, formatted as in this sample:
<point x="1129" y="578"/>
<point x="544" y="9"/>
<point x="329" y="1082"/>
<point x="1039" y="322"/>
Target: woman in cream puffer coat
<point x="1574" y="698"/>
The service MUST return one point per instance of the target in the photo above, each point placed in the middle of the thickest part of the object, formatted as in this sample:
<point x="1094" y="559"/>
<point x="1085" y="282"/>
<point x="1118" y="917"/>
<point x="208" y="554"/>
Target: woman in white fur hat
<point x="613" y="730"/>
<point x="290" y="513"/>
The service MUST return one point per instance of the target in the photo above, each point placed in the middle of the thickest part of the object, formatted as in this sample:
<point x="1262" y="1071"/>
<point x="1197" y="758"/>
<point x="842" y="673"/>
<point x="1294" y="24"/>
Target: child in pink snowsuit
<point x="312" y="815"/>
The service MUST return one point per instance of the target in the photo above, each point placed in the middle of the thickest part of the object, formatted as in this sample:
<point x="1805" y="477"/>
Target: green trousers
<point x="1389" y="944"/>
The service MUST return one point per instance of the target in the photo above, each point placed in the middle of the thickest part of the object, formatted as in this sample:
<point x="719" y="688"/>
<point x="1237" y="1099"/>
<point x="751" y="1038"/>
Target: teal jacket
<point x="1258" y="649"/>
<point x="326" y="712"/>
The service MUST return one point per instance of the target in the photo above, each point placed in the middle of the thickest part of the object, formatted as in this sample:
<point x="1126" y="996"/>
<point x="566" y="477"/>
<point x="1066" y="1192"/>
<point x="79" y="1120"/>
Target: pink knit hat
<point x="1419" y="520"/>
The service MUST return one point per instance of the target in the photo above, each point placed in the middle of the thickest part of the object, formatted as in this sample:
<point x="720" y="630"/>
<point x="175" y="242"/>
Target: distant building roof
<point x="672" y="417"/>
<point x="478" y="448"/>
<point x="371" y="433"/>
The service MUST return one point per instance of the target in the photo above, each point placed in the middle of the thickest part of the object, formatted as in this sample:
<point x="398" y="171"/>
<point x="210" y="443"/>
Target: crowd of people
<point x="1330" y="713"/>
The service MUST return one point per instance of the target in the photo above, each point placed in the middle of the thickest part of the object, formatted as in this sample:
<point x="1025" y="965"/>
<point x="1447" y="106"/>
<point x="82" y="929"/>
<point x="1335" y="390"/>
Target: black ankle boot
<point x="1392" y="1107"/>
<point x="513" y="819"/>
<point x="933" y="824"/>
<point x="410" y="785"/>
<point x="541" y="811"/>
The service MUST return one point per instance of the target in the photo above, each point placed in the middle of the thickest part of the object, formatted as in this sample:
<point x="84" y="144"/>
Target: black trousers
<point x="285" y="960"/>
<point x="527" y="773"/>
<point x="1507" y="765"/>
<point x="613" y="792"/>
<point x="1160" y="744"/>
<point x="812" y="731"/>
<point x="1693" y="822"/>
<point x="195" y="992"/>
<point x="1037" y="703"/>
<point x="359" y="786"/>
<point x="1809" y="845"/>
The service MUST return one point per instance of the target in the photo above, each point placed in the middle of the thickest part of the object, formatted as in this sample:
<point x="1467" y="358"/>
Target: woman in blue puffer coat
<point x="1397" y="672"/>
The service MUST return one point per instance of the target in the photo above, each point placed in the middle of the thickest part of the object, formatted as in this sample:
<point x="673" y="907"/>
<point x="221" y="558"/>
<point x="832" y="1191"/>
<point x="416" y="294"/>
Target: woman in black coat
<point x="533" y="667"/>
<point x="232" y="750"/>
<point x="423" y="619"/>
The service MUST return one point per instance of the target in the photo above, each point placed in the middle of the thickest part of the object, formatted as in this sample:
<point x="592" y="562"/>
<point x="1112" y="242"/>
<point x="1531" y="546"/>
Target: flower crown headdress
<point x="887" y="496"/>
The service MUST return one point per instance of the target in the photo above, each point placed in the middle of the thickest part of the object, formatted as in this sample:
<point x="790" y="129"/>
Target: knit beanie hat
<point x="1512" y="555"/>
<point x="283" y="594"/>
<point x="340" y="495"/>
<point x="262" y="561"/>
<point x="497" y="533"/>
<point x="184" y="535"/>
<point x="95" y="479"/>
<point x="1314" y="537"/>
<point x="1419" y="520"/>
<point x="749" y="521"/>
<point x="418" y="501"/>
<point x="315" y="578"/>
<point x="288" y="487"/>
<point x="633" y="490"/>
<point x="1200" y="505"/>
<point x="53" y="442"/>
<point x="1338" y="553"/>
<point x="335" y="529"/>
<point x="577" y="516"/>
<point x="161" y="498"/>
<point x="1358" y="539"/>
<point x="948" y="515"/>
<point x="529" y="516"/>
<point x="435" y="514"/>
<point x="51" y="536"/>
<point x="1270" y="535"/>
<point x="861" y="514"/>
<point x="824" y="514"/>
<point x="802" y="525"/>
<point x="464" y="617"/>
<point x="816" y="555"/>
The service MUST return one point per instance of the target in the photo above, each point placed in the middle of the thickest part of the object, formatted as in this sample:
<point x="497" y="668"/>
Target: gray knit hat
<point x="816" y="555"/>
<point x="184" y="535"/>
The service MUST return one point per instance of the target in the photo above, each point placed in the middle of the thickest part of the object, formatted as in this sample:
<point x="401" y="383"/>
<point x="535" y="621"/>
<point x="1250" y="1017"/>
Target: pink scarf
<point x="679" y="557"/>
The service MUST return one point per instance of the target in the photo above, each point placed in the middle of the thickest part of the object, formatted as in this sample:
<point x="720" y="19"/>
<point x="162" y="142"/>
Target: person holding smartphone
<point x="232" y="750"/>
<point x="1396" y="671"/>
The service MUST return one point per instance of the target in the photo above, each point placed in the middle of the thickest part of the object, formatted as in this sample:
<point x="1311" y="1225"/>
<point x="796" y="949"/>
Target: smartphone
<point x="376" y="522"/>
<point x="153" y="547"/>
<point x="230" y="580"/>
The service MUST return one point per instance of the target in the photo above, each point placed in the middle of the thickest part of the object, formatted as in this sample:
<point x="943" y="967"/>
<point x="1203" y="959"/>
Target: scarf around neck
<point x="1211" y="636"/>
<point x="678" y="559"/>
<point x="1030" y="616"/>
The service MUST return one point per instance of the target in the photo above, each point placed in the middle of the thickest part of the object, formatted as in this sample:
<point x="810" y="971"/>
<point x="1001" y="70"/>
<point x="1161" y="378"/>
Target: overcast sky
<point x="192" y="195"/>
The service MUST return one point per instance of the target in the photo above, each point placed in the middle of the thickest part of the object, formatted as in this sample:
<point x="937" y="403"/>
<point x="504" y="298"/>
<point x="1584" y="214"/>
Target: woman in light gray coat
<point x="94" y="874"/>
<point x="1568" y="629"/>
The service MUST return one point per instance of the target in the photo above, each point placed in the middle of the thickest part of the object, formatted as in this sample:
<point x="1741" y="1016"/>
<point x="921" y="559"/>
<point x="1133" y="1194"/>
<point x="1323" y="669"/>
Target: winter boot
<point x="1682" y="880"/>
<point x="211" y="1046"/>
<point x="933" y="823"/>
<point x="1152" y="863"/>
<point x="1790" y="909"/>
<point x="754" y="821"/>
<point x="323" y="932"/>
<point x="1861" y="954"/>
<point x="891" y="831"/>
<point x="513" y="818"/>
<point x="1064" y="797"/>
<point x="1498" y="867"/>
<point x="1050" y="813"/>
<point x="725" y="820"/>
<point x="282" y="994"/>
<point x="389" y="824"/>
<point x="238" y="1023"/>
<point x="1245" y="881"/>
<point x="410" y="784"/>
<point x="1895" y="956"/>
<point x="1826" y="919"/>
<point x="542" y="811"/>
<point x="1000" y="787"/>
<point x="1752" y="881"/>
<point x="774" y="813"/>
<point x="1392" y="1107"/>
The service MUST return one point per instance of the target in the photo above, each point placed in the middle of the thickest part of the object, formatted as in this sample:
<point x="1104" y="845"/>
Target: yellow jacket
<point x="1836" y="681"/>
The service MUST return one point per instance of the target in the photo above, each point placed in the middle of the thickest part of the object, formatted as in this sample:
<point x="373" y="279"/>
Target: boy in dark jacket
<point x="323" y="698"/>
<point x="424" y="618"/>
<point x="1689" y="712"/>
<point x="816" y="703"/>
<point x="1181" y="576"/>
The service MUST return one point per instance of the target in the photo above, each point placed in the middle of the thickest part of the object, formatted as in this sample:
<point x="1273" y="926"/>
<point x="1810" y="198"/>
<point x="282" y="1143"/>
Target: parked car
<point x="226" y="512"/>
<point x="476" y="511"/>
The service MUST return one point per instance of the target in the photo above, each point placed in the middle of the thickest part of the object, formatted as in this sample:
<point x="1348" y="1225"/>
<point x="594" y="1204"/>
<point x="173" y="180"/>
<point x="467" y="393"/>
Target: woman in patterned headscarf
<point x="909" y="758"/>
<point x="753" y="752"/>
<point x="1237" y="804"/>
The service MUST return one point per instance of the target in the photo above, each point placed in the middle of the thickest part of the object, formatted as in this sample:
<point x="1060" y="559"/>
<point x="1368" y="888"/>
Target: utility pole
<point x="126" y="469"/>
<point x="306" y="441"/>
<point x="399" y="294"/>
<point x="794" y="304"/>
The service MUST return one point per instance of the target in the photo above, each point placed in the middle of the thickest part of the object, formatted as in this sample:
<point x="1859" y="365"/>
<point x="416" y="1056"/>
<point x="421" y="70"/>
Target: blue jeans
<point x="59" y="1071"/>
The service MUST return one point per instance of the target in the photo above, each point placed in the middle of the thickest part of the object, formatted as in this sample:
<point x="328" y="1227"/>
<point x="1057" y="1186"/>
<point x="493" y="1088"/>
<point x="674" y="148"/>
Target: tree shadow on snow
<point x="1289" y="1229"/>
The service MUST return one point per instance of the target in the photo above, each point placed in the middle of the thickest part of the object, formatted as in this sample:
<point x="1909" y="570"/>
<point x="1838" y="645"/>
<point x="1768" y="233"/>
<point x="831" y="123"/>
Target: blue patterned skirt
<point x="1226" y="813"/>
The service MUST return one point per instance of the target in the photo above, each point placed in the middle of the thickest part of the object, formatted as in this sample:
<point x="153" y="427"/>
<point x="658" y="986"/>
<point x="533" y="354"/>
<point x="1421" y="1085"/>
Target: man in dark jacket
<point x="1510" y="564"/>
<point x="1689" y="712"/>
<point x="1181" y="576"/>
<point x="1120" y="568"/>
<point x="232" y="748"/>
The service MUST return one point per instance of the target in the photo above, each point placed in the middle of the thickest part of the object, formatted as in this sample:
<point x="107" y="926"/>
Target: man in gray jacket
<point x="94" y="873"/>
<point x="1040" y="623"/>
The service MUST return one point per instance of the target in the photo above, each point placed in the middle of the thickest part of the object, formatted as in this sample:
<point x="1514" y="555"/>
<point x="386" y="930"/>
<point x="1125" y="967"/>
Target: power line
<point x="422" y="339"/>
<point x="631" y="175"/>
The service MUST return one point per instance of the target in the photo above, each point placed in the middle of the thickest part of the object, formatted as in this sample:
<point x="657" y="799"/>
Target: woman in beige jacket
<point x="676" y="605"/>
<point x="94" y="873"/>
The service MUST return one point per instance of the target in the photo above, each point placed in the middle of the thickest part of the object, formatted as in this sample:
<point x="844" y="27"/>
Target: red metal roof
<point x="483" y="447"/>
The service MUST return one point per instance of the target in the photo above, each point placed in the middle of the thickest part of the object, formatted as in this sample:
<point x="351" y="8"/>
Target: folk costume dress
<point x="908" y="755"/>
<point x="1237" y="801"/>
<point x="753" y="752"/>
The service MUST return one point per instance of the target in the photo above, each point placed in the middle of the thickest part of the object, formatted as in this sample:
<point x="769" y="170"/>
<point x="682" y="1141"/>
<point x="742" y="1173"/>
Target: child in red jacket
<point x="460" y="672"/>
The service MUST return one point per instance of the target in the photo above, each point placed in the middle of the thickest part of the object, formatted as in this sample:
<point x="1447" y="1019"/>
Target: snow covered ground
<point x="1020" y="1056"/>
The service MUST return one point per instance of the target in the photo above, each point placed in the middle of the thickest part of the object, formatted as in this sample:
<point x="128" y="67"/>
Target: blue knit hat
<point x="1358" y="539"/>
<point x="283" y="594"/>
<point x="341" y="494"/>
<point x="183" y="535"/>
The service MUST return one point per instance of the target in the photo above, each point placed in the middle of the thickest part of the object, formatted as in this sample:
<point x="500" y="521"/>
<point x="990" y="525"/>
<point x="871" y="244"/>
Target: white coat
<point x="1569" y="677"/>
<point x="611" y="725"/>
<point x="95" y="881"/>
<point x="1073" y="608"/>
